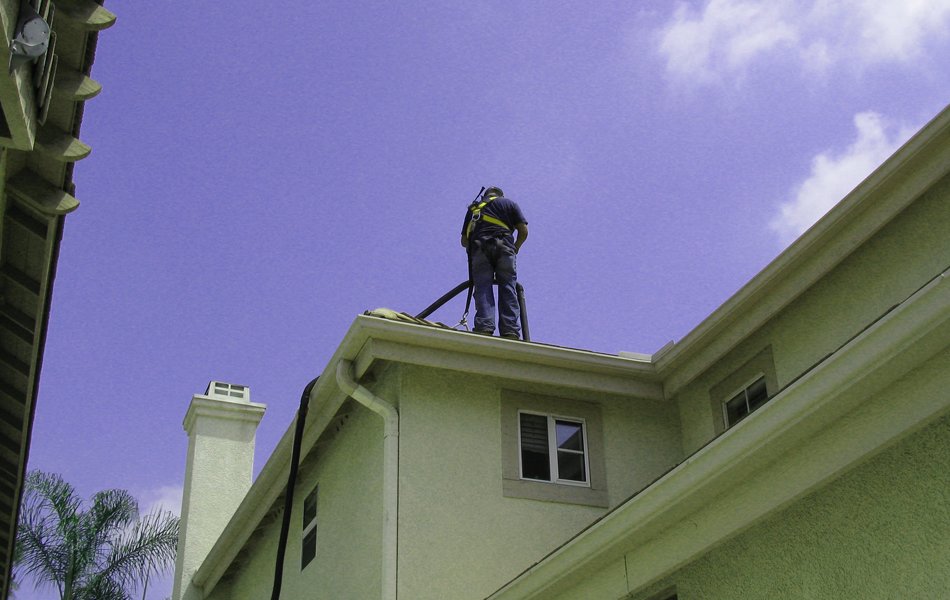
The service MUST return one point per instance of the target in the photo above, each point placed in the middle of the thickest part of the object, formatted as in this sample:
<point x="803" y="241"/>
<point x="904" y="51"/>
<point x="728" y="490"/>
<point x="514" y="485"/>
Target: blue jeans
<point x="493" y="260"/>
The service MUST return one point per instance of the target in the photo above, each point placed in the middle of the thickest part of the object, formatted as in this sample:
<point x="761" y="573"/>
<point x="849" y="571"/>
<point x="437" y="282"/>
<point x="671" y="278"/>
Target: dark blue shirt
<point x="502" y="209"/>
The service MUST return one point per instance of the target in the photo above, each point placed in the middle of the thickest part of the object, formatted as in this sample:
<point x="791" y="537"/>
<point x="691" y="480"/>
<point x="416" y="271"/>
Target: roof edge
<point x="880" y="197"/>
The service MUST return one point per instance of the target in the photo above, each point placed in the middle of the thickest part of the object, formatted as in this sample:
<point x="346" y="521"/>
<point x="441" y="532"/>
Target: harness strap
<point x="476" y="210"/>
<point x="494" y="221"/>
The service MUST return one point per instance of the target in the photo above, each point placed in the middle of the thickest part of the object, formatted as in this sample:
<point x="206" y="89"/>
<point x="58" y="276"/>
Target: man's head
<point x="493" y="191"/>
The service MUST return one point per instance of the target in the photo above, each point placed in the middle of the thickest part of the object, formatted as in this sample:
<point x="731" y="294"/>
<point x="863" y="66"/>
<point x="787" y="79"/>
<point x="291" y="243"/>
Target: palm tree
<point x="101" y="553"/>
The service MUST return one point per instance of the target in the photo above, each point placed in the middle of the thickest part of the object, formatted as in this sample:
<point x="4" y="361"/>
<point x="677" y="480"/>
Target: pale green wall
<point x="898" y="260"/>
<point x="349" y="524"/>
<point x="881" y="531"/>
<point x="459" y="537"/>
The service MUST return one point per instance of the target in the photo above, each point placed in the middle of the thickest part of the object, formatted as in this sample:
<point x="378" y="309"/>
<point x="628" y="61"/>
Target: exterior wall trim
<point x="203" y="406"/>
<point x="522" y="368"/>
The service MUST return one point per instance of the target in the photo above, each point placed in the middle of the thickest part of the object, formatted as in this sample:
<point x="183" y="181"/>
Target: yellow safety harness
<point x="476" y="216"/>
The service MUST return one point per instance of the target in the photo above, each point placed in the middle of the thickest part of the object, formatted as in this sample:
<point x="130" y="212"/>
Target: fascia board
<point x="500" y="348"/>
<point x="507" y="367"/>
<point x="914" y="168"/>
<point x="812" y="431"/>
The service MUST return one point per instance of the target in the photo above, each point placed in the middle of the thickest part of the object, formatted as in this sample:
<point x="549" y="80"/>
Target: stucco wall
<point x="459" y="536"/>
<point x="899" y="259"/>
<point x="880" y="531"/>
<point x="349" y="524"/>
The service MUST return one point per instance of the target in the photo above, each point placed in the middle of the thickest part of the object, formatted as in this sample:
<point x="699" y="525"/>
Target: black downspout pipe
<point x="291" y="482"/>
<point x="524" y="313"/>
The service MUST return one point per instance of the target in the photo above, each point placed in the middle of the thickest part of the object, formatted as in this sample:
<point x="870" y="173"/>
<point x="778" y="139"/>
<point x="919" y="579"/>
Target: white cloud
<point x="833" y="175"/>
<point x="896" y="30"/>
<point x="167" y="498"/>
<point x="724" y="38"/>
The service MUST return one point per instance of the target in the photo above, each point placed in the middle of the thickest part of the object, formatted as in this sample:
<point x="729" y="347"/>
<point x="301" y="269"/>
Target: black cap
<point x="493" y="191"/>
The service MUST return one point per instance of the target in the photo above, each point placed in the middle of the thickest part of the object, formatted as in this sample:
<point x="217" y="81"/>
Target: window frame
<point x="553" y="449"/>
<point x="513" y="485"/>
<point x="761" y="364"/>
<point x="744" y="392"/>
<point x="308" y="528"/>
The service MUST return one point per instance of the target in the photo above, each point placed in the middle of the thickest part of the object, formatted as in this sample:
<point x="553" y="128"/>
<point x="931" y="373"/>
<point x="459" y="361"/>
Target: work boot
<point x="511" y="335"/>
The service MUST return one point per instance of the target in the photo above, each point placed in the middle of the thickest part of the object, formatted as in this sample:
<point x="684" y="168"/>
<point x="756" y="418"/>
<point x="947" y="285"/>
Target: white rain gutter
<point x="344" y="378"/>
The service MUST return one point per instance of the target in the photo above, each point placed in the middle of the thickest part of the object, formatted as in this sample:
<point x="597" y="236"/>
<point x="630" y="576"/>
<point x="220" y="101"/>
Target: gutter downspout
<point x="344" y="378"/>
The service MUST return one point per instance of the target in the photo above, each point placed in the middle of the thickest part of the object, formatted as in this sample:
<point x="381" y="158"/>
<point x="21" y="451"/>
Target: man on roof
<point x="488" y="235"/>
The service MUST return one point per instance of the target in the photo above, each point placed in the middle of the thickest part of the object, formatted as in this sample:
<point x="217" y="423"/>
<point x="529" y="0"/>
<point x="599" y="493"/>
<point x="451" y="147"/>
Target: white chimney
<point x="221" y="425"/>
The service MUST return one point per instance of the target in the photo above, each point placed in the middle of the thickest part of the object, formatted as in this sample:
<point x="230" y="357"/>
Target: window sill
<point x="554" y="492"/>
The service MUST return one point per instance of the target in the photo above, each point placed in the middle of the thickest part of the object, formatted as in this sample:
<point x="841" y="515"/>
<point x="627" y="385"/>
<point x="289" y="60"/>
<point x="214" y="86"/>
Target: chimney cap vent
<point x="229" y="391"/>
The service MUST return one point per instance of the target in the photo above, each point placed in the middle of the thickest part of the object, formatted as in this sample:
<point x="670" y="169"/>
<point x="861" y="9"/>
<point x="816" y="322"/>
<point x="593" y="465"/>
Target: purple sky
<point x="261" y="174"/>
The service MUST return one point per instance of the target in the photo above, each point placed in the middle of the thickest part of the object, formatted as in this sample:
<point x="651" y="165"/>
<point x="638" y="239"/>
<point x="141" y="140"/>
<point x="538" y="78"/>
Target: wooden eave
<point x="38" y="149"/>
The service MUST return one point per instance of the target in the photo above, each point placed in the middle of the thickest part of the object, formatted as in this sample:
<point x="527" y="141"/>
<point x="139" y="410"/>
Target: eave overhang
<point x="42" y="106"/>
<point x="26" y="91"/>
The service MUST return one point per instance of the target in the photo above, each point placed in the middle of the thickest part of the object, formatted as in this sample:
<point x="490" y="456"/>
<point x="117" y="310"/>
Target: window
<point x="747" y="400"/>
<point x="309" y="535"/>
<point x="553" y="448"/>
<point x="743" y="390"/>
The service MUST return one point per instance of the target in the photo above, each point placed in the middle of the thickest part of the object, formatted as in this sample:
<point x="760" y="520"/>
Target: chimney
<point x="221" y="425"/>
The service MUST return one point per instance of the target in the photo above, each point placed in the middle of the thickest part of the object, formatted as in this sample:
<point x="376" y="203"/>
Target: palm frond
<point x="144" y="549"/>
<point x="111" y="512"/>
<point x="103" y="553"/>
<point x="102" y="588"/>
<point x="49" y="506"/>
